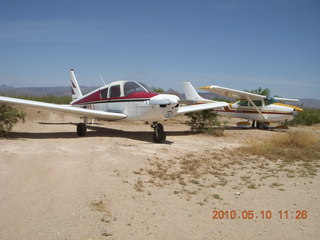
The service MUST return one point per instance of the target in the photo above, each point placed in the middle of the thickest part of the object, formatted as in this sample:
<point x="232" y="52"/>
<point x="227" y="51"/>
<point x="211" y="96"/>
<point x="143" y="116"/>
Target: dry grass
<point x="298" y="145"/>
<point x="139" y="186"/>
<point x="98" y="206"/>
<point x="292" y="154"/>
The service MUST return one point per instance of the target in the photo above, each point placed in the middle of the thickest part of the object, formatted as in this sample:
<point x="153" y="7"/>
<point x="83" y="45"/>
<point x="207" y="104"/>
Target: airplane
<point x="260" y="109"/>
<point x="117" y="101"/>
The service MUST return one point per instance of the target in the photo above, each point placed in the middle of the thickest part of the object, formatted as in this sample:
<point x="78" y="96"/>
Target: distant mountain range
<point x="40" y="91"/>
<point x="66" y="91"/>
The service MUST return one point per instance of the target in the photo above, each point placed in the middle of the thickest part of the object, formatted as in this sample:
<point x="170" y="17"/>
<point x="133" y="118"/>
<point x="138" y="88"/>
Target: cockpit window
<point x="115" y="91"/>
<point x="258" y="103"/>
<point x="269" y="100"/>
<point x="146" y="87"/>
<point x="104" y="93"/>
<point x="243" y="103"/>
<point x="132" y="87"/>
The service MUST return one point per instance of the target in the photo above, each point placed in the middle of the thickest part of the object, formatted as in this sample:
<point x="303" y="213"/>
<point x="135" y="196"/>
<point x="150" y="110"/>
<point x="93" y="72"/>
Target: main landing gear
<point x="82" y="128"/>
<point x="260" y="125"/>
<point x="159" y="136"/>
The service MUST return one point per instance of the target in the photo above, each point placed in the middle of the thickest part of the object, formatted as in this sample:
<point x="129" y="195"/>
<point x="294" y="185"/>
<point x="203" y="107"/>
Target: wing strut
<point x="249" y="99"/>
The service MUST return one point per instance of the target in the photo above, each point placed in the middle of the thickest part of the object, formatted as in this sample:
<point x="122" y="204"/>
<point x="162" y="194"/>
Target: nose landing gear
<point x="159" y="136"/>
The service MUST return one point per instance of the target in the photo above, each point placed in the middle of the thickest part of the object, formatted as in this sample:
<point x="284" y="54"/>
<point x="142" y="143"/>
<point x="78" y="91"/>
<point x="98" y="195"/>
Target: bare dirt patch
<point x="117" y="184"/>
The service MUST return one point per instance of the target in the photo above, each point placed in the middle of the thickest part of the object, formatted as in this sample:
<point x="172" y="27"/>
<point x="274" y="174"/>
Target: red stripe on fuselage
<point x="96" y="97"/>
<point x="227" y="109"/>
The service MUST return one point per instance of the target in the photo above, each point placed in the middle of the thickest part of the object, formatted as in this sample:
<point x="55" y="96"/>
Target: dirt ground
<point x="115" y="183"/>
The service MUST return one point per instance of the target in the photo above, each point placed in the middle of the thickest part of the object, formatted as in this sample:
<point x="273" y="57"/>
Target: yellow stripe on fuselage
<point x="287" y="105"/>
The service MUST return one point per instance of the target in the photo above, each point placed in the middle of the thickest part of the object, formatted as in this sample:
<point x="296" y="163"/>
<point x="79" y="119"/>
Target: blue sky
<point x="240" y="44"/>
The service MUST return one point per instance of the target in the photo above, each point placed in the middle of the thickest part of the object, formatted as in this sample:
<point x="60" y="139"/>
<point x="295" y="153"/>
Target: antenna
<point x="102" y="80"/>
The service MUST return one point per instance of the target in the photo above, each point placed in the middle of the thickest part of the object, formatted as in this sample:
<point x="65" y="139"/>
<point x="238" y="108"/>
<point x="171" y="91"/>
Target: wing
<point x="286" y="99"/>
<point x="68" y="109"/>
<point x="201" y="107"/>
<point x="232" y="93"/>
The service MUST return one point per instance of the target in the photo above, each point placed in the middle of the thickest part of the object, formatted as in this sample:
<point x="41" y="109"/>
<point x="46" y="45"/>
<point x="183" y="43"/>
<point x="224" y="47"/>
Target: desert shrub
<point x="205" y="121"/>
<point x="9" y="117"/>
<point x="306" y="117"/>
<point x="297" y="145"/>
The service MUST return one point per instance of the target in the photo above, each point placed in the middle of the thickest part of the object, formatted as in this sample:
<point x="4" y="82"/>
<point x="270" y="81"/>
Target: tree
<point x="158" y="90"/>
<point x="173" y="92"/>
<point x="260" y="91"/>
<point x="9" y="117"/>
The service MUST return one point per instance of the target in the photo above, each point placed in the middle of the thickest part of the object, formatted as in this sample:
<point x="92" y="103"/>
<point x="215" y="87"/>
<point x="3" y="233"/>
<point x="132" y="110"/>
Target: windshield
<point x="269" y="100"/>
<point x="145" y="87"/>
<point x="132" y="87"/>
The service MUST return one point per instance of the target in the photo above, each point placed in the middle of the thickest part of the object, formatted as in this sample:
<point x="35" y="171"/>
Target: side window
<point x="258" y="103"/>
<point x="115" y="91"/>
<point x="104" y="93"/>
<point x="243" y="103"/>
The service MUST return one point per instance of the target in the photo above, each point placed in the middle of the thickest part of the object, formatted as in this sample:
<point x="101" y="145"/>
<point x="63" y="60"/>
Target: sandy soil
<point x="115" y="183"/>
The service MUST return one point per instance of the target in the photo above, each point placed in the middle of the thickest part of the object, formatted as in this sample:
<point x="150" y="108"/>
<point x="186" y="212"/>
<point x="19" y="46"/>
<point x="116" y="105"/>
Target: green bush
<point x="306" y="117"/>
<point x="206" y="122"/>
<point x="8" y="117"/>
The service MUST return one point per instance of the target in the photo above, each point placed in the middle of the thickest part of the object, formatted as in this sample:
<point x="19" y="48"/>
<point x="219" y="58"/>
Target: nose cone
<point x="297" y="108"/>
<point x="174" y="100"/>
<point x="164" y="99"/>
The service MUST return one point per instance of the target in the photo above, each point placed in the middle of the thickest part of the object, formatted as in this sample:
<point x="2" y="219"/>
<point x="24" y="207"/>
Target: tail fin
<point x="191" y="93"/>
<point x="75" y="89"/>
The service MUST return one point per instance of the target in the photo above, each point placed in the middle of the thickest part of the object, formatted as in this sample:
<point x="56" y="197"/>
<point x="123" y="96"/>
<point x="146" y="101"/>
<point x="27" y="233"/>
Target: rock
<point x="104" y="232"/>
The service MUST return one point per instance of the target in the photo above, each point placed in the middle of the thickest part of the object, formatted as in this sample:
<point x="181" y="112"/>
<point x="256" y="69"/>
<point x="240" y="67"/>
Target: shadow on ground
<point x="95" y="131"/>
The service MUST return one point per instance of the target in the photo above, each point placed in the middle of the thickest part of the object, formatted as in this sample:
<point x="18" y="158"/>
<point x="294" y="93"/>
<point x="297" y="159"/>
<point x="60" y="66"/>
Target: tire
<point x="81" y="129"/>
<point x="263" y="126"/>
<point x="159" y="137"/>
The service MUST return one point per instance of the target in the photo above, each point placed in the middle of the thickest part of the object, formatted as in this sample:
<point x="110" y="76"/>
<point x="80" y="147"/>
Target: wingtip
<point x="205" y="88"/>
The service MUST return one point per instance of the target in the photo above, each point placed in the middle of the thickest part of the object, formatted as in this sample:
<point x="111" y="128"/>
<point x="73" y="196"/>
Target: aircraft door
<point x="115" y="104"/>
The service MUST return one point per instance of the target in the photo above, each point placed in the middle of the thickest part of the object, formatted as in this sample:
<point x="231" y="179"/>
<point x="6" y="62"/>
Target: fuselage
<point x="273" y="112"/>
<point x="132" y="98"/>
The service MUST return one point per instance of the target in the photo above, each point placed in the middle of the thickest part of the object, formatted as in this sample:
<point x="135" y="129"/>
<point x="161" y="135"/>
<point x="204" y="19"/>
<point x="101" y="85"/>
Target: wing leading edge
<point x="63" y="108"/>
<point x="237" y="94"/>
<point x="232" y="93"/>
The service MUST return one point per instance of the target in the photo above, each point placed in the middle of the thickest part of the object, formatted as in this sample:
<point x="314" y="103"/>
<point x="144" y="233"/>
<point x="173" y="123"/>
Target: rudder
<point x="75" y="89"/>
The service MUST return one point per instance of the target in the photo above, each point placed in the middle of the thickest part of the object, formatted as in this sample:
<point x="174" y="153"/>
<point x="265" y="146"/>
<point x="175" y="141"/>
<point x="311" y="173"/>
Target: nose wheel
<point x="159" y="136"/>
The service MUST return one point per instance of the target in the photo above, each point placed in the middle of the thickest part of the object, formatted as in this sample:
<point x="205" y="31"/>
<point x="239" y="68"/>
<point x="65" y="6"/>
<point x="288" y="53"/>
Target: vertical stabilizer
<point x="191" y="93"/>
<point x="75" y="89"/>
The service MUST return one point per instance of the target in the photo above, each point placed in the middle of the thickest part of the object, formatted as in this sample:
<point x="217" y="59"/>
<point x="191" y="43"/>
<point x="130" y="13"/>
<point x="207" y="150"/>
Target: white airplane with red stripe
<point x="251" y="106"/>
<point x="121" y="100"/>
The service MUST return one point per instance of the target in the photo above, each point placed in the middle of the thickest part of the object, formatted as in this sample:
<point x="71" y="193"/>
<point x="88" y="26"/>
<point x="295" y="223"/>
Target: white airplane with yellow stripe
<point x="260" y="109"/>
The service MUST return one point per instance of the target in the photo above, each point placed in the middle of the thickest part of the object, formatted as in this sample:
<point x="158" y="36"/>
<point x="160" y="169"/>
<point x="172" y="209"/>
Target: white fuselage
<point x="269" y="113"/>
<point x="140" y="110"/>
